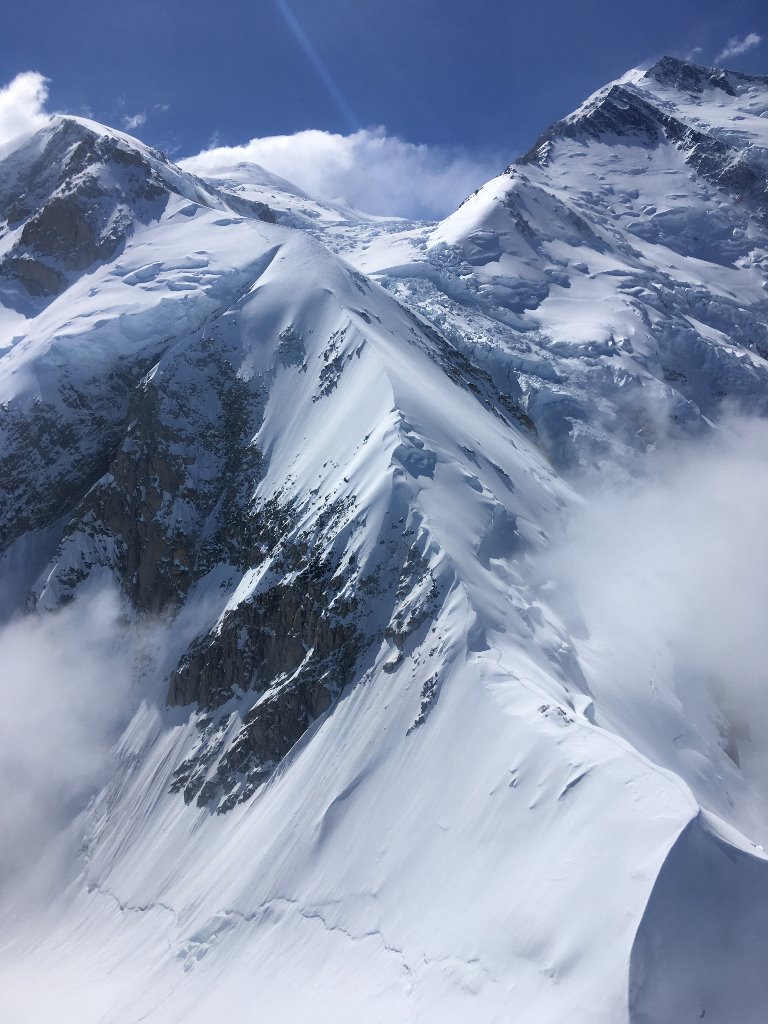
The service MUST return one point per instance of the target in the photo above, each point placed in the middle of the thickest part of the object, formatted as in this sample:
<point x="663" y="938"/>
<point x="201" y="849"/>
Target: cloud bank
<point x="735" y="47"/>
<point x="22" y="105"/>
<point x="65" y="683"/>
<point x="668" y="574"/>
<point x="374" y="171"/>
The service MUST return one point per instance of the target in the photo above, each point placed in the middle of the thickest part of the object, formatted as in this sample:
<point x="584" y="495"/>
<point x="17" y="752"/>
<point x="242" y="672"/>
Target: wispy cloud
<point x="735" y="46"/>
<point x="668" y="574"/>
<point x="22" y="105"/>
<point x="65" y="681"/>
<point x="375" y="171"/>
<point x="134" y="121"/>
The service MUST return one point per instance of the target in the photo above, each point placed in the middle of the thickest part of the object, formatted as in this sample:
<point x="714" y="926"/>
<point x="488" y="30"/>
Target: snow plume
<point x="668" y="572"/>
<point x="65" y="681"/>
<point x="22" y="105"/>
<point x="735" y="47"/>
<point x="374" y="171"/>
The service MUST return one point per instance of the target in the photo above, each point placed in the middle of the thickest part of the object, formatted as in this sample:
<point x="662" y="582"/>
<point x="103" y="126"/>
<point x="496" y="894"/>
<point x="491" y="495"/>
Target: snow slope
<point x="374" y="766"/>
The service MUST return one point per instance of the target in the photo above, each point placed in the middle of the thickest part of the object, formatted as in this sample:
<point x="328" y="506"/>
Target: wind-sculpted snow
<point x="423" y="725"/>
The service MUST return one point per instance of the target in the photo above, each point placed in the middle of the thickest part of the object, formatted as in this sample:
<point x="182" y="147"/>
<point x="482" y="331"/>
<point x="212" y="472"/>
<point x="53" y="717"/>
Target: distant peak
<point x="676" y="73"/>
<point x="671" y="62"/>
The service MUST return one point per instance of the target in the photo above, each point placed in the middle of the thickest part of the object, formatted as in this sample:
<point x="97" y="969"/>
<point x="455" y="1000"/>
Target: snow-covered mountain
<point x="376" y="765"/>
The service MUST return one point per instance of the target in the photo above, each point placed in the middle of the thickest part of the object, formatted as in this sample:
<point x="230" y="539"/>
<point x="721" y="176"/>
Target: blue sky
<point x="475" y="77"/>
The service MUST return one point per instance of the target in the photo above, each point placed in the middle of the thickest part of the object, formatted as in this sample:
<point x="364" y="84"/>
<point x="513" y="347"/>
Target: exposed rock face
<point x="84" y="193"/>
<point x="183" y="467"/>
<point x="296" y="645"/>
<point x="308" y="630"/>
<point x="695" y="78"/>
<point x="624" y="111"/>
<point x="49" y="461"/>
<point x="38" y="278"/>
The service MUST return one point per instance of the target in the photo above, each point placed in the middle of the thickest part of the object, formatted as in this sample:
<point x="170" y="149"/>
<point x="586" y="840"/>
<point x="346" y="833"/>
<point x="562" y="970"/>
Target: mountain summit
<point x="378" y="764"/>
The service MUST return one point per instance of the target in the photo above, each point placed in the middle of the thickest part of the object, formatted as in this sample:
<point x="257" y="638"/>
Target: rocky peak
<point x="722" y="137"/>
<point x="73" y="192"/>
<point x="676" y="73"/>
<point x="635" y="109"/>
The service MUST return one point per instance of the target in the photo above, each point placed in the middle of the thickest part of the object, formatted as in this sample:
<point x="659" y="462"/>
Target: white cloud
<point x="667" y="572"/>
<point x="65" y="681"/>
<point x="134" y="121"/>
<point x="22" y="105"/>
<point x="735" y="46"/>
<point x="374" y="171"/>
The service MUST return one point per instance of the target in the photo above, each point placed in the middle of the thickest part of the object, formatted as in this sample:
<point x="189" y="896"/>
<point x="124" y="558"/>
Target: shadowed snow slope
<point x="387" y="757"/>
